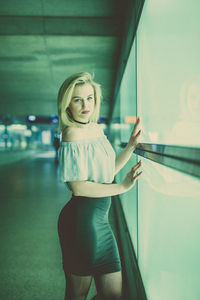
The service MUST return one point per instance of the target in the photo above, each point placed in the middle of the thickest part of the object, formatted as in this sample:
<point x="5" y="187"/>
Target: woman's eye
<point x="76" y="100"/>
<point x="90" y="98"/>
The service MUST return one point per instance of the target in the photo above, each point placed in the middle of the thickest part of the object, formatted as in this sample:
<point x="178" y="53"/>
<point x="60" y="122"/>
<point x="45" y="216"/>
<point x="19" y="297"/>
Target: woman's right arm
<point x="97" y="190"/>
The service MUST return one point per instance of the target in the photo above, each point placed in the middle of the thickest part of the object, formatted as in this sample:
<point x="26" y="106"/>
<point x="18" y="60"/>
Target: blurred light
<point x="130" y="119"/>
<point x="102" y="120"/>
<point x="46" y="137"/>
<point x="54" y="119"/>
<point x="120" y="126"/>
<point x="34" y="128"/>
<point x="2" y="127"/>
<point x="48" y="154"/>
<point x="31" y="118"/>
<point x="17" y="127"/>
<point x="23" y="144"/>
<point x="28" y="132"/>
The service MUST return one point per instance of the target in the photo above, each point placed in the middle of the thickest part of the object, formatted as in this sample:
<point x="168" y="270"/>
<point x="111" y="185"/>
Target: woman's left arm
<point x="126" y="153"/>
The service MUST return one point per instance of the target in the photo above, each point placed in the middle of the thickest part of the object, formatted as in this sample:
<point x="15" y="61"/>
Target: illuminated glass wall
<point x="168" y="52"/>
<point x="162" y="210"/>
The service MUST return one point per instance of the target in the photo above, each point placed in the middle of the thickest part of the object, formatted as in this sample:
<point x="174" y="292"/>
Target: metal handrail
<point x="182" y="158"/>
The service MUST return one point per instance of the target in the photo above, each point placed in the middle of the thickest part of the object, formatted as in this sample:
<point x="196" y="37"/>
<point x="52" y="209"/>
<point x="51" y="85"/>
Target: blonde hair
<point x="65" y="95"/>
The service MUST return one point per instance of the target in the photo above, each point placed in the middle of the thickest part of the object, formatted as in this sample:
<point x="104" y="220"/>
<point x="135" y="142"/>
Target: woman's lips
<point x="85" y="112"/>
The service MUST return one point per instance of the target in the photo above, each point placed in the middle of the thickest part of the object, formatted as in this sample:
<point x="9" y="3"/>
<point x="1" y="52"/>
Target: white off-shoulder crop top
<point x="91" y="159"/>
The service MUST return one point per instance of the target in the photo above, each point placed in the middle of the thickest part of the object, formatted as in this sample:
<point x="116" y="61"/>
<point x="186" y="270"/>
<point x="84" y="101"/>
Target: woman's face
<point x="82" y="102"/>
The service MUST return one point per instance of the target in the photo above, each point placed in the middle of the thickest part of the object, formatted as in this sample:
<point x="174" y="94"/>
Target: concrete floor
<point x="30" y="257"/>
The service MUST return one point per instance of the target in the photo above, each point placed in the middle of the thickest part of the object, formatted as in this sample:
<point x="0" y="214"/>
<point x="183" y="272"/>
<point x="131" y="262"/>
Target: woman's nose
<point x="84" y="103"/>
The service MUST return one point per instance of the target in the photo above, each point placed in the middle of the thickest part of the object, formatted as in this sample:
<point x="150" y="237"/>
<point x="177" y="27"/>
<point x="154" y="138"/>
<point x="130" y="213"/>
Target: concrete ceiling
<point x="42" y="42"/>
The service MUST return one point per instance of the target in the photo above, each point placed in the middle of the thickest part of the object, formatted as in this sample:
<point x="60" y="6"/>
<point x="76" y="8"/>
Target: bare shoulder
<point x="96" y="130"/>
<point x="70" y="134"/>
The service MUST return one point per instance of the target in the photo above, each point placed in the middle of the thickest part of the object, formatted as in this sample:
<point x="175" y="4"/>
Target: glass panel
<point x="168" y="47"/>
<point x="168" y="103"/>
<point x="168" y="51"/>
<point x="168" y="229"/>
<point x="128" y="94"/>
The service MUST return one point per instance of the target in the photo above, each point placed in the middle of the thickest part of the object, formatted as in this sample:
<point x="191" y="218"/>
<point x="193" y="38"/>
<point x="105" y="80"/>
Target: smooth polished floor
<point x="31" y="198"/>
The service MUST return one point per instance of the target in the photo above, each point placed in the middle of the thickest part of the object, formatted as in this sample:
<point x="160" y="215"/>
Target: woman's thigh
<point x="77" y="286"/>
<point x="109" y="286"/>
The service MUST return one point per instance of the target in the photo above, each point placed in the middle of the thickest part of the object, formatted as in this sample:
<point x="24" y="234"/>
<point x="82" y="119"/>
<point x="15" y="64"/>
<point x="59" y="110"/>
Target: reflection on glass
<point x="168" y="76"/>
<point x="168" y="231"/>
<point x="187" y="127"/>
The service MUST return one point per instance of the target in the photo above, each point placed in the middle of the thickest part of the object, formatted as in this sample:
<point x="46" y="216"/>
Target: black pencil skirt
<point x="86" y="238"/>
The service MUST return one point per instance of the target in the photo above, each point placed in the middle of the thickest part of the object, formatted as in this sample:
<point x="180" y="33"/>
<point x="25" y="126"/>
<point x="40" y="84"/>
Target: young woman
<point x="88" y="165"/>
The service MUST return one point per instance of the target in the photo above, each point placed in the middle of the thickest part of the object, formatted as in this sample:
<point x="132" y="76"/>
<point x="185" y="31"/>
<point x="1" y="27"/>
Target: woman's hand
<point x="131" y="177"/>
<point x="135" y="135"/>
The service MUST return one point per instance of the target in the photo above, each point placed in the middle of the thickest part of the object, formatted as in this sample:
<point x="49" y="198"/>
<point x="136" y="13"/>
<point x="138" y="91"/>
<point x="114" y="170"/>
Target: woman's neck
<point x="84" y="123"/>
